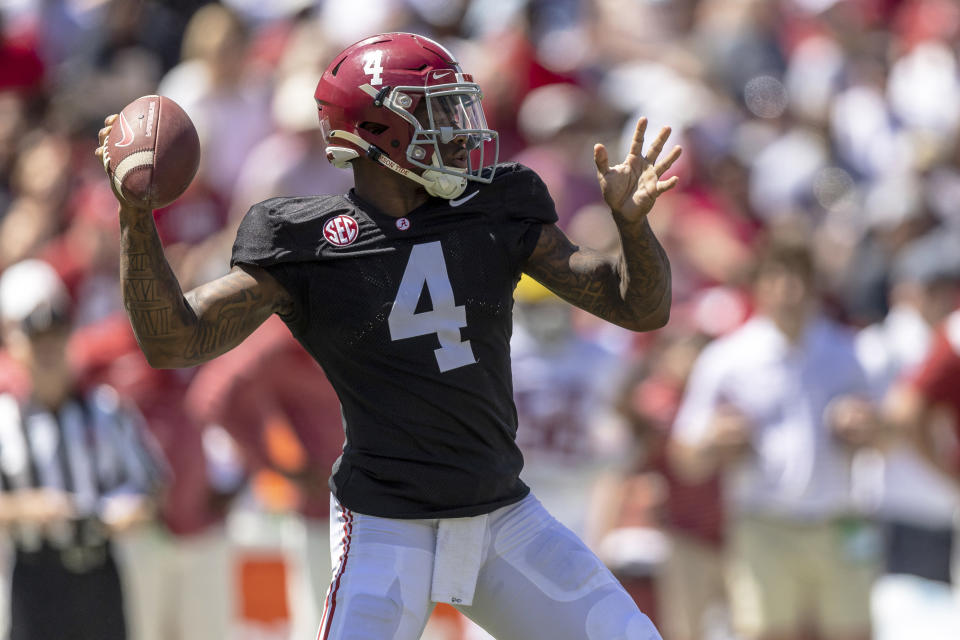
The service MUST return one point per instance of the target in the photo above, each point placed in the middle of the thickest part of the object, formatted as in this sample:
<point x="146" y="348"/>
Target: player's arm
<point x="631" y="289"/>
<point x="181" y="330"/>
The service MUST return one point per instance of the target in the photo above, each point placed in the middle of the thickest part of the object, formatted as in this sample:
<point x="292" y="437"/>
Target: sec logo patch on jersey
<point x="341" y="230"/>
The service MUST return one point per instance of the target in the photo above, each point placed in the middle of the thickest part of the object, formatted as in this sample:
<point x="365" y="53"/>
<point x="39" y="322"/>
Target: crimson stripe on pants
<point x="326" y="622"/>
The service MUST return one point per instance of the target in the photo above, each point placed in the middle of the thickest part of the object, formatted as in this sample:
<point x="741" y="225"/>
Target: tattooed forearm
<point x="645" y="279"/>
<point x="177" y="330"/>
<point x="631" y="289"/>
<point x="151" y="293"/>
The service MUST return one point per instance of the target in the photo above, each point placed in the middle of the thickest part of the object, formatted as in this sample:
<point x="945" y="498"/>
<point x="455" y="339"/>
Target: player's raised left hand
<point x="631" y="187"/>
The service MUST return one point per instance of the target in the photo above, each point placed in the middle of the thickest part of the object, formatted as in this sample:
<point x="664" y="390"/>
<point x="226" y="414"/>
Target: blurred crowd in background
<point x="814" y="240"/>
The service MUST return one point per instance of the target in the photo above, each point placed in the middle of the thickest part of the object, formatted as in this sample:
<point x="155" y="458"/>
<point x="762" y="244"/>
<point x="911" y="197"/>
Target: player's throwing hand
<point x="631" y="187"/>
<point x="103" y="154"/>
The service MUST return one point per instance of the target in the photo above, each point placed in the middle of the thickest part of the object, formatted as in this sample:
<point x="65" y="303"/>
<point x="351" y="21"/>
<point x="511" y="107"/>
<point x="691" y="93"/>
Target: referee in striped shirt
<point x="75" y="469"/>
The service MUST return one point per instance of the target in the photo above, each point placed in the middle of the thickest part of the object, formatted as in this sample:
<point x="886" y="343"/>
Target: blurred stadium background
<point x="833" y="123"/>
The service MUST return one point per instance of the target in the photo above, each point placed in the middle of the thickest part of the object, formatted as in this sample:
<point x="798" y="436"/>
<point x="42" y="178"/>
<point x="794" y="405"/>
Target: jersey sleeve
<point x="526" y="207"/>
<point x="285" y="230"/>
<point x="270" y="238"/>
<point x="259" y="239"/>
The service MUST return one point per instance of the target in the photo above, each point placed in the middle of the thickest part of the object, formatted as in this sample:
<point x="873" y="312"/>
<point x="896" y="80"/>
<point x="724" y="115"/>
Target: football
<point x="154" y="151"/>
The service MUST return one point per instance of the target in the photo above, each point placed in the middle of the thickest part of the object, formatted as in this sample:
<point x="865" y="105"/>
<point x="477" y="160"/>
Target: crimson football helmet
<point x="395" y="98"/>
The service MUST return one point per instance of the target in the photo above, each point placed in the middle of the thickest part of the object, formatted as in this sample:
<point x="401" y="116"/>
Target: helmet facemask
<point x="450" y="116"/>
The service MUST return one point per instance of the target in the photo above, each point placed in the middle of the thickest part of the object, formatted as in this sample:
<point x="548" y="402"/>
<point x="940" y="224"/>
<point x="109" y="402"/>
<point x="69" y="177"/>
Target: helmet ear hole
<point x="375" y="128"/>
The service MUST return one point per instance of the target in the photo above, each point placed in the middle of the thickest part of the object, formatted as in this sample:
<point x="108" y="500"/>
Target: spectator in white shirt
<point x="779" y="406"/>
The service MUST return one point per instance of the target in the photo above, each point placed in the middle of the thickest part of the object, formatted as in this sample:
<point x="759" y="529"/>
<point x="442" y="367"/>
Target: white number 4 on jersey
<point x="427" y="266"/>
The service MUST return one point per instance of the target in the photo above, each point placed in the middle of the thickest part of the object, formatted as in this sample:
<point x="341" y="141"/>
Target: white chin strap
<point x="437" y="184"/>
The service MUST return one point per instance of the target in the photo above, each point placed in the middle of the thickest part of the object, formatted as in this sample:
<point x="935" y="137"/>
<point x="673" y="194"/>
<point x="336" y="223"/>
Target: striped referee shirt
<point x="92" y="448"/>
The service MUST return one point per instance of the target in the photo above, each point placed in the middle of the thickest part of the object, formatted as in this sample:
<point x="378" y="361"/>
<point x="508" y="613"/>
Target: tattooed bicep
<point x="230" y="308"/>
<point x="583" y="277"/>
<point x="552" y="246"/>
<point x="251" y="288"/>
<point x="630" y="288"/>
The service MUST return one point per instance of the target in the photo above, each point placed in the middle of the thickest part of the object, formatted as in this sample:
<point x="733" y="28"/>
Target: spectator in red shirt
<point x="21" y="68"/>
<point x="925" y="406"/>
<point x="262" y="392"/>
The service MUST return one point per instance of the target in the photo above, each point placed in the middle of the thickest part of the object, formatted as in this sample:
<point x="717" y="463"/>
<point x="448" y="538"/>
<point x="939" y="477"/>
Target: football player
<point x="401" y="289"/>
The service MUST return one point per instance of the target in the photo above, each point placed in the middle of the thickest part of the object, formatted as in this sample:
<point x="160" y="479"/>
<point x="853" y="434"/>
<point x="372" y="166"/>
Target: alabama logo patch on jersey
<point x="341" y="230"/>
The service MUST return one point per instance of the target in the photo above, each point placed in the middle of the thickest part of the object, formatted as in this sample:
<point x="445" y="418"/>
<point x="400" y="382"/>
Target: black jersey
<point x="411" y="319"/>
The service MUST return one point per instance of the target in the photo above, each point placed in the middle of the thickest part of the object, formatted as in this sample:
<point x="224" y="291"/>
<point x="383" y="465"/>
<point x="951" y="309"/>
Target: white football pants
<point x="537" y="581"/>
